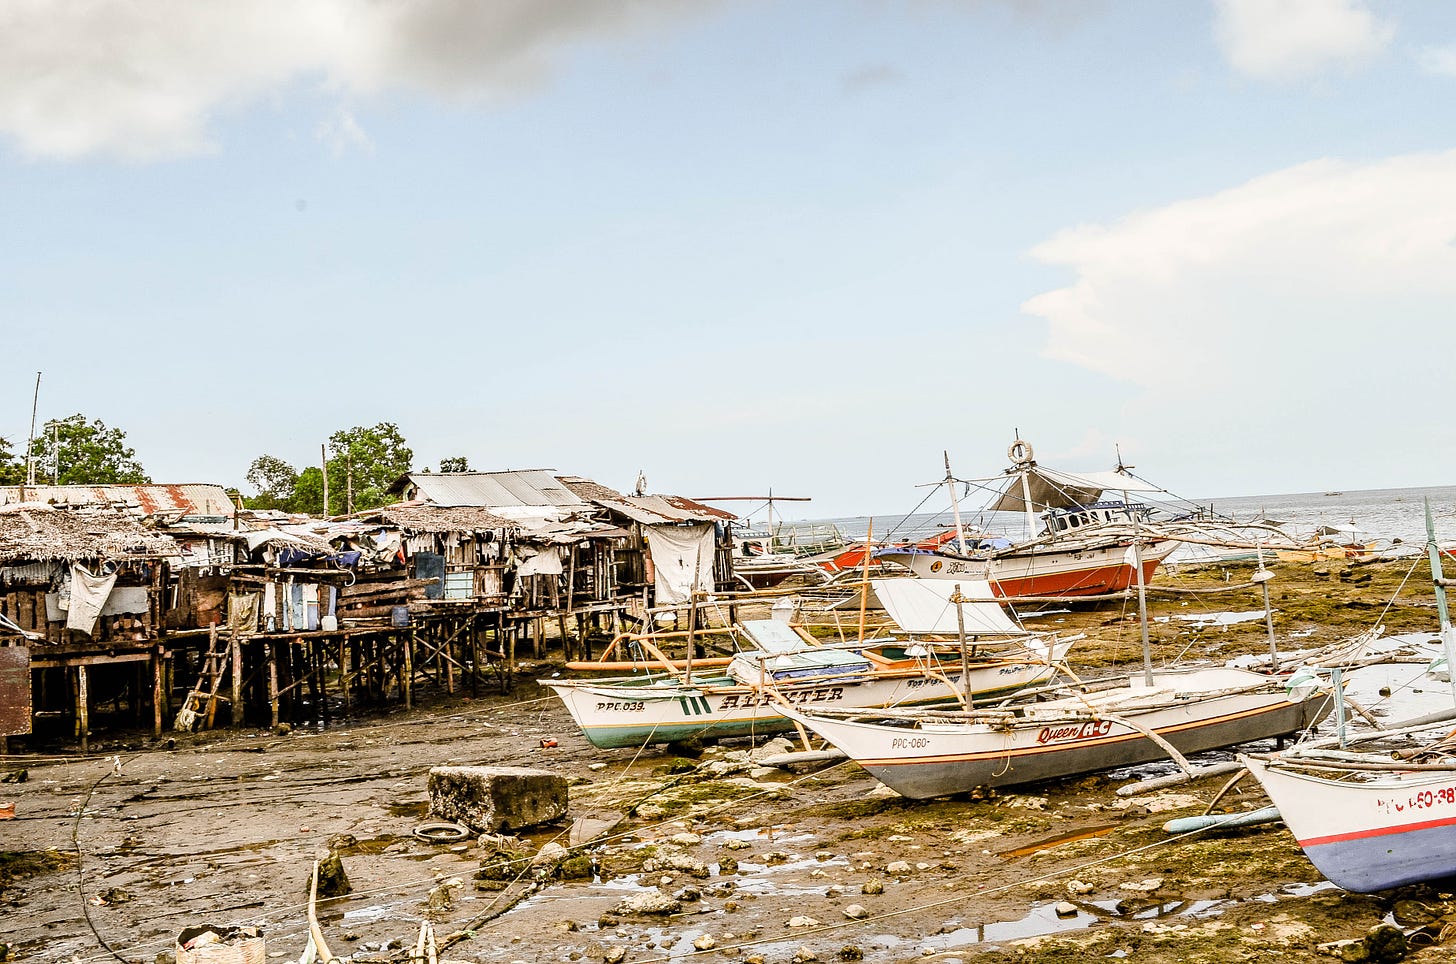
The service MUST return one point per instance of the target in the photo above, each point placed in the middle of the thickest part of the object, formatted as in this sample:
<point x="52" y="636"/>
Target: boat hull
<point x="1085" y="571"/>
<point x="933" y="760"/>
<point x="1366" y="837"/>
<point x="662" y="709"/>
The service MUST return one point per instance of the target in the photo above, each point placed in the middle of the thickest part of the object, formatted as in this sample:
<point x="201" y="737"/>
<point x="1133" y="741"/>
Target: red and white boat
<point x="1087" y="546"/>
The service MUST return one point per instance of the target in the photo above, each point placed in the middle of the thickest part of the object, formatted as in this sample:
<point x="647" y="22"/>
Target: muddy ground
<point x="109" y="856"/>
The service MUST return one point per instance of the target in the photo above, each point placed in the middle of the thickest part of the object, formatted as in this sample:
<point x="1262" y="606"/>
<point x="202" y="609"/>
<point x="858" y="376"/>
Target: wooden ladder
<point x="201" y="701"/>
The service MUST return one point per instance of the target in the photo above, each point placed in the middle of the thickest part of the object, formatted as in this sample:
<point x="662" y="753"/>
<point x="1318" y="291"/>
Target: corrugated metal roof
<point x="493" y="490"/>
<point x="658" y="509"/>
<point x="588" y="489"/>
<point x="187" y="499"/>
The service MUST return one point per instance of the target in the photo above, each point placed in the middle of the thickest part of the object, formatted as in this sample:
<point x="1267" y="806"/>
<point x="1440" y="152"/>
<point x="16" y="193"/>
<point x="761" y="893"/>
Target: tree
<point x="276" y="482"/>
<point x="12" y="468"/>
<point x="456" y="464"/>
<point x="73" y="451"/>
<point x="363" y="463"/>
<point x="308" y="492"/>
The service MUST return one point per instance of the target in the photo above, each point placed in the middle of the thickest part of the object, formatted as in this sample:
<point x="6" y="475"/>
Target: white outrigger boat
<point x="1087" y="547"/>
<point x="927" y="753"/>
<point x="1072" y="729"/>
<point x="666" y="707"/>
<point x="1384" y="816"/>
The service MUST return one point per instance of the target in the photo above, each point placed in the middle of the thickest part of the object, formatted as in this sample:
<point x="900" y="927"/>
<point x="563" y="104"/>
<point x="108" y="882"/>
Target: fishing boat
<point x="1383" y="816"/>
<point x="1086" y="545"/>
<point x="927" y="753"/>
<point x="1071" y="729"/>
<point x="664" y="707"/>
<point x="1368" y="822"/>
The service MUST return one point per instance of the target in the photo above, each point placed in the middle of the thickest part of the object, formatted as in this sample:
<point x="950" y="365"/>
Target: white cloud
<point x="1438" y="60"/>
<point x="140" y="80"/>
<point x="342" y="133"/>
<point x="1291" y="39"/>
<point x="1328" y="270"/>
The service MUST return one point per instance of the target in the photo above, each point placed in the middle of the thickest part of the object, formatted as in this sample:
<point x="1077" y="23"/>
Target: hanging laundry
<point x="243" y="613"/>
<point x="88" y="596"/>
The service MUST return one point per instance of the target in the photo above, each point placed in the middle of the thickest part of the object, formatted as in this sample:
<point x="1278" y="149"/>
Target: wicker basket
<point x="237" y="945"/>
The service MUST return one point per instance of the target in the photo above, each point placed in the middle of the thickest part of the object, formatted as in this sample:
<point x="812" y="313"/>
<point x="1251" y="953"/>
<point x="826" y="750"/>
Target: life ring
<point x="1019" y="453"/>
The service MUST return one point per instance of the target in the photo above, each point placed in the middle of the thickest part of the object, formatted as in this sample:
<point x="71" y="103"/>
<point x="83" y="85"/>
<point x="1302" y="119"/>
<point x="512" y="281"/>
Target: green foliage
<point x="363" y="463"/>
<point x="73" y="451"/>
<point x="276" y="482"/>
<point x="456" y="464"/>
<point x="308" y="492"/>
<point x="12" y="468"/>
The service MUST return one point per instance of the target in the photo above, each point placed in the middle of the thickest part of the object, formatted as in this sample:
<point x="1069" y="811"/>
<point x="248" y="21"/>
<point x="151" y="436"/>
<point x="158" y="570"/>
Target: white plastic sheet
<point x="682" y="555"/>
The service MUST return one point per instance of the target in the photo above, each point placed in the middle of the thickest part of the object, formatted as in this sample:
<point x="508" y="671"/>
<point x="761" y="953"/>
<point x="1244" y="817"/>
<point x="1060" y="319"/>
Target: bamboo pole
<point x="864" y="588"/>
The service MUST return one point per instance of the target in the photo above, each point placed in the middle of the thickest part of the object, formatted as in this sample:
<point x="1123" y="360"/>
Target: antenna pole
<point x="29" y="442"/>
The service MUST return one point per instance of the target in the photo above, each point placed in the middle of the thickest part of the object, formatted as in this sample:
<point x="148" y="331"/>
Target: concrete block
<point x="491" y="799"/>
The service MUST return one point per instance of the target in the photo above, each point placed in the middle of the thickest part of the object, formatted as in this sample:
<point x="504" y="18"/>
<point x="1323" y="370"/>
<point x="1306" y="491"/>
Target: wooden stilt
<point x="508" y="672"/>
<point x="83" y="710"/>
<point x="237" y="664"/>
<point x="407" y="674"/>
<point x="270" y="653"/>
<point x="344" y="672"/>
<point x="157" y="692"/>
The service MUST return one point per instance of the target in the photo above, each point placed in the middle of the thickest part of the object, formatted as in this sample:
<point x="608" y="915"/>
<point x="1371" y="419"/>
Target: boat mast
<point x="1438" y="580"/>
<point x="1137" y="559"/>
<point x="1262" y="577"/>
<point x="1021" y="460"/>
<point x="955" y="506"/>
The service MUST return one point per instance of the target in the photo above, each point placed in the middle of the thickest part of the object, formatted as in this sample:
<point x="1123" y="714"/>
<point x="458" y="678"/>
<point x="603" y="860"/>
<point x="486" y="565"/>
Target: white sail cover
<point x="1051" y="489"/>
<point x="923" y="606"/>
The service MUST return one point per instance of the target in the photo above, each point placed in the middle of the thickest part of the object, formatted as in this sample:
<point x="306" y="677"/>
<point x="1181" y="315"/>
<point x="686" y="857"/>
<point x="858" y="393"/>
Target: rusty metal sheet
<point x="14" y="690"/>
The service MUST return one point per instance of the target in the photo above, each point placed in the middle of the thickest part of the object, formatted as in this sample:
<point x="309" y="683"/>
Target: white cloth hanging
<point x="682" y="556"/>
<point x="88" y="597"/>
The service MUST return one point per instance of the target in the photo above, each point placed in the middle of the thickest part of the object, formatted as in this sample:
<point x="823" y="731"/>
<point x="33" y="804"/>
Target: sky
<point x="741" y="246"/>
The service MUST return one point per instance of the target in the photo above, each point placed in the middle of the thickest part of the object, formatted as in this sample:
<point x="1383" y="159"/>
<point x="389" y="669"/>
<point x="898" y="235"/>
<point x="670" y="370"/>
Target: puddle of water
<point x="1215" y="619"/>
<point x="776" y="835"/>
<point x="417" y="809"/>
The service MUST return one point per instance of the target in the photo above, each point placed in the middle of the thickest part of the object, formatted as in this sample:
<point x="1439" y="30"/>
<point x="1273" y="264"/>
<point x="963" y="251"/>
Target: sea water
<point x="1392" y="516"/>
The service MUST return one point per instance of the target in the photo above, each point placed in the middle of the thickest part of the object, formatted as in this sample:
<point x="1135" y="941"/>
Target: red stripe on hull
<point x="1378" y="832"/>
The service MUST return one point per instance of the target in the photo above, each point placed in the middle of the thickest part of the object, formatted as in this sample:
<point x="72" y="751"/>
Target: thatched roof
<point x="437" y="518"/>
<point x="33" y="532"/>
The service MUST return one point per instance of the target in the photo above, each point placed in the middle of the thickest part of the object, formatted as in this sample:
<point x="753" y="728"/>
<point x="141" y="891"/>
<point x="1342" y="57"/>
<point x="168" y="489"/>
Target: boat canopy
<point x="923" y="606"/>
<point x="1053" y="489"/>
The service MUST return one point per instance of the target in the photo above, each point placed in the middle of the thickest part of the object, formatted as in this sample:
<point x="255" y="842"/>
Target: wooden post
<point x="965" y="655"/>
<point x="83" y="715"/>
<point x="344" y="671"/>
<point x="271" y="655"/>
<point x="407" y="674"/>
<point x="509" y="673"/>
<point x="237" y="658"/>
<point x="157" y="692"/>
<point x="449" y="663"/>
